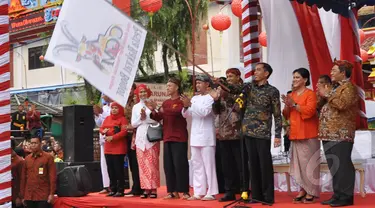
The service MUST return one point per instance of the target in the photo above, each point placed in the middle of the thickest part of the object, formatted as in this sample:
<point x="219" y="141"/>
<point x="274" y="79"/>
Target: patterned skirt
<point x="305" y="165"/>
<point x="148" y="162"/>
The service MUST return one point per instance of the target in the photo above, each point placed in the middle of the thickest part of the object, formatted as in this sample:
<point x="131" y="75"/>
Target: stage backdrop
<point x="101" y="44"/>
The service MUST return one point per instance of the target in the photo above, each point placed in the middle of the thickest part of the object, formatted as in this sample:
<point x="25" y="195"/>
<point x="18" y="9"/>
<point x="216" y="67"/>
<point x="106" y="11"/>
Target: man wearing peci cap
<point x="228" y="135"/>
<point x="202" y="139"/>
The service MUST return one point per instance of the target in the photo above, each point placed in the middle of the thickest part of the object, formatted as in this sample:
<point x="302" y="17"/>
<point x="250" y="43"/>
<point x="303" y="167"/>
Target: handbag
<point x="155" y="132"/>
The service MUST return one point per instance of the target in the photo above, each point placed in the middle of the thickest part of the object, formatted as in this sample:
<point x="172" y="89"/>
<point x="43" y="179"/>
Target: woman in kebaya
<point x="114" y="129"/>
<point x="147" y="152"/>
<point x="175" y="136"/>
<point x="300" y="110"/>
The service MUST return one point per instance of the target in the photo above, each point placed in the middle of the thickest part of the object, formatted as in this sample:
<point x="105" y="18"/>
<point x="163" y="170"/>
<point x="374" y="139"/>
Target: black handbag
<point x="155" y="132"/>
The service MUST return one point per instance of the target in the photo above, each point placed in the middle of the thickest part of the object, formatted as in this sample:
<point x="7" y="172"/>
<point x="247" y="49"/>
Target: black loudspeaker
<point x="73" y="181"/>
<point x="94" y="172"/>
<point x="78" y="125"/>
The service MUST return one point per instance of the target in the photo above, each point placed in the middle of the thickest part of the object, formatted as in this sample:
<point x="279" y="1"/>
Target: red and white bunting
<point x="250" y="33"/>
<point x="5" y="147"/>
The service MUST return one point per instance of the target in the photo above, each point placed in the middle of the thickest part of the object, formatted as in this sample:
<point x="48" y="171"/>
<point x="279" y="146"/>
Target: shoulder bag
<point x="155" y="132"/>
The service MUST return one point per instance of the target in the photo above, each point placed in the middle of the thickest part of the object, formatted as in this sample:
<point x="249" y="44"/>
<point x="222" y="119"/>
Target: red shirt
<point x="38" y="179"/>
<point x="34" y="120"/>
<point x="174" y="125"/>
<point x="17" y="165"/>
<point x="118" y="145"/>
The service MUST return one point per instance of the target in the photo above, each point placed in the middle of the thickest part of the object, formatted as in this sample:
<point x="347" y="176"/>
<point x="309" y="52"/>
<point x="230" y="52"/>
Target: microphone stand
<point x="244" y="199"/>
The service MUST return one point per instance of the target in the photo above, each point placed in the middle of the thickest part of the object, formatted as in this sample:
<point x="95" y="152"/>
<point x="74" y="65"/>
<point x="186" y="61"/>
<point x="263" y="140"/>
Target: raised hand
<point x="215" y="94"/>
<point x="185" y="100"/>
<point x="143" y="114"/>
<point x="151" y="105"/>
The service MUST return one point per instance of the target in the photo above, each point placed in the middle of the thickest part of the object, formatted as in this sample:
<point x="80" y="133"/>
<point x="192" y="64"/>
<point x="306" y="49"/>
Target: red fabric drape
<point x="349" y="50"/>
<point x="318" y="55"/>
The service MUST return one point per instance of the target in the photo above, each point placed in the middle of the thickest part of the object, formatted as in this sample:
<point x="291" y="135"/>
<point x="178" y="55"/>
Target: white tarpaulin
<point x="99" y="43"/>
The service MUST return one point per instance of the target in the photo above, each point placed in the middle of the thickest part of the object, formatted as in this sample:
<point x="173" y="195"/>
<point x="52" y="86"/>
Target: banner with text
<point x="102" y="45"/>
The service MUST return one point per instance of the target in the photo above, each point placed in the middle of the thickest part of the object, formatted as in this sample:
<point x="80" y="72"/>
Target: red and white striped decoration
<point x="250" y="33"/>
<point x="5" y="147"/>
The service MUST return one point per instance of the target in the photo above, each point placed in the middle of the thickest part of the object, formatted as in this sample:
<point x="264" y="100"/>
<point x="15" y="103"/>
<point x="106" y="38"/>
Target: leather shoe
<point x="111" y="194"/>
<point x="329" y="201"/>
<point x="119" y="194"/>
<point x="342" y="203"/>
<point x="227" y="197"/>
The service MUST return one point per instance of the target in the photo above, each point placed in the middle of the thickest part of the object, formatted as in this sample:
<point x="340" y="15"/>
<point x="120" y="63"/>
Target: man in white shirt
<point x="202" y="139"/>
<point x="99" y="118"/>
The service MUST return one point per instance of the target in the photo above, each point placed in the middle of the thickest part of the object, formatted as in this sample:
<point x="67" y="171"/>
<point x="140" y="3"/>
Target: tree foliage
<point x="173" y="25"/>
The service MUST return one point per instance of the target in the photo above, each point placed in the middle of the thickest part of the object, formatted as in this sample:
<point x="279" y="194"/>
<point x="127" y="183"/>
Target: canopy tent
<point x="341" y="7"/>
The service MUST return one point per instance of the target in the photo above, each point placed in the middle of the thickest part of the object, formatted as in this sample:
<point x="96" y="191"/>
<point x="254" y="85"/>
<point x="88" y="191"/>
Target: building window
<point x="34" y="61"/>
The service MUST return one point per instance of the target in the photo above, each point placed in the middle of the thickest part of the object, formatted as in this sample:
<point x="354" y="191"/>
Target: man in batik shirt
<point x="262" y="103"/>
<point x="337" y="125"/>
<point x="229" y="125"/>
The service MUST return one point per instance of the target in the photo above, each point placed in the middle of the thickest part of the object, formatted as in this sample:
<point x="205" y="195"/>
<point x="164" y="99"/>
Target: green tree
<point x="172" y="23"/>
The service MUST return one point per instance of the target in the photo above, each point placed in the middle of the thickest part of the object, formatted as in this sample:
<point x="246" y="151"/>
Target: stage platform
<point x="283" y="200"/>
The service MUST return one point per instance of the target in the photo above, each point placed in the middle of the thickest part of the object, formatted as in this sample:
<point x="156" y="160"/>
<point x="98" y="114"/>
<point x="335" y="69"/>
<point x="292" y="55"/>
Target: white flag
<point x="100" y="43"/>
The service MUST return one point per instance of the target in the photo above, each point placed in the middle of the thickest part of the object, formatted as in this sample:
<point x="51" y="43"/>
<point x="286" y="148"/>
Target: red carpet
<point x="96" y="200"/>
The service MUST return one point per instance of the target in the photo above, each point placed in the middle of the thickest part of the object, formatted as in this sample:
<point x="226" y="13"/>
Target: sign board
<point x="103" y="45"/>
<point x="159" y="92"/>
<point x="34" y="19"/>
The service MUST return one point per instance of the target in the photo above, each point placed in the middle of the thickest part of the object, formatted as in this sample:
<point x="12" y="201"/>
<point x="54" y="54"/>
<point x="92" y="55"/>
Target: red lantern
<point x="151" y="6"/>
<point x="221" y="22"/>
<point x="205" y="27"/>
<point x="364" y="56"/>
<point x="237" y="7"/>
<point x="41" y="58"/>
<point x="361" y="36"/>
<point x="263" y="39"/>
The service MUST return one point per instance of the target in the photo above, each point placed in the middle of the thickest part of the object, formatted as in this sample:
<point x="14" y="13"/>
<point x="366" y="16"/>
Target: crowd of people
<point x="237" y="117"/>
<point x="23" y="121"/>
<point x="329" y="115"/>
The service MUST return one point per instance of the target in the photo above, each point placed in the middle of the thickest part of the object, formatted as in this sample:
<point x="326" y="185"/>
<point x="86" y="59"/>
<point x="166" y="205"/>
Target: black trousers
<point x="286" y="143"/>
<point x="261" y="169"/>
<point x="38" y="204"/>
<point x="340" y="164"/>
<point x="176" y="167"/>
<point x="133" y="164"/>
<point x="115" y="166"/>
<point x="219" y="170"/>
<point x="232" y="165"/>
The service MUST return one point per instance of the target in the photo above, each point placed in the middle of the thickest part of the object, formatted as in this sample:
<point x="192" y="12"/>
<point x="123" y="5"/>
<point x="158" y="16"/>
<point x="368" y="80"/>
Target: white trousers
<point x="204" y="171"/>
<point x="103" y="167"/>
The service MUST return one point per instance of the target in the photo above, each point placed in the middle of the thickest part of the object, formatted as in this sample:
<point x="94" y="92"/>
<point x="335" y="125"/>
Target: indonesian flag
<point x="302" y="36"/>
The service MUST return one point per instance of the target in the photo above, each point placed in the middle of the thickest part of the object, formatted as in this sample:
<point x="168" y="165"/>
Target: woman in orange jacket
<point x="300" y="109"/>
<point x="114" y="128"/>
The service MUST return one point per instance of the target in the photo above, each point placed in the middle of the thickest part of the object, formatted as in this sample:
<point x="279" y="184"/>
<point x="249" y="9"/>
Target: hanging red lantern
<point x="364" y="56"/>
<point x="150" y="6"/>
<point x="237" y="7"/>
<point x="205" y="27"/>
<point x="221" y="22"/>
<point x="263" y="39"/>
<point x="41" y="58"/>
<point x="361" y="36"/>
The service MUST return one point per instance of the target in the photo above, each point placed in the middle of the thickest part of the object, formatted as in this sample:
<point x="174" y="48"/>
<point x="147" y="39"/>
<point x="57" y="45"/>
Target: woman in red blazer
<point x="115" y="148"/>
